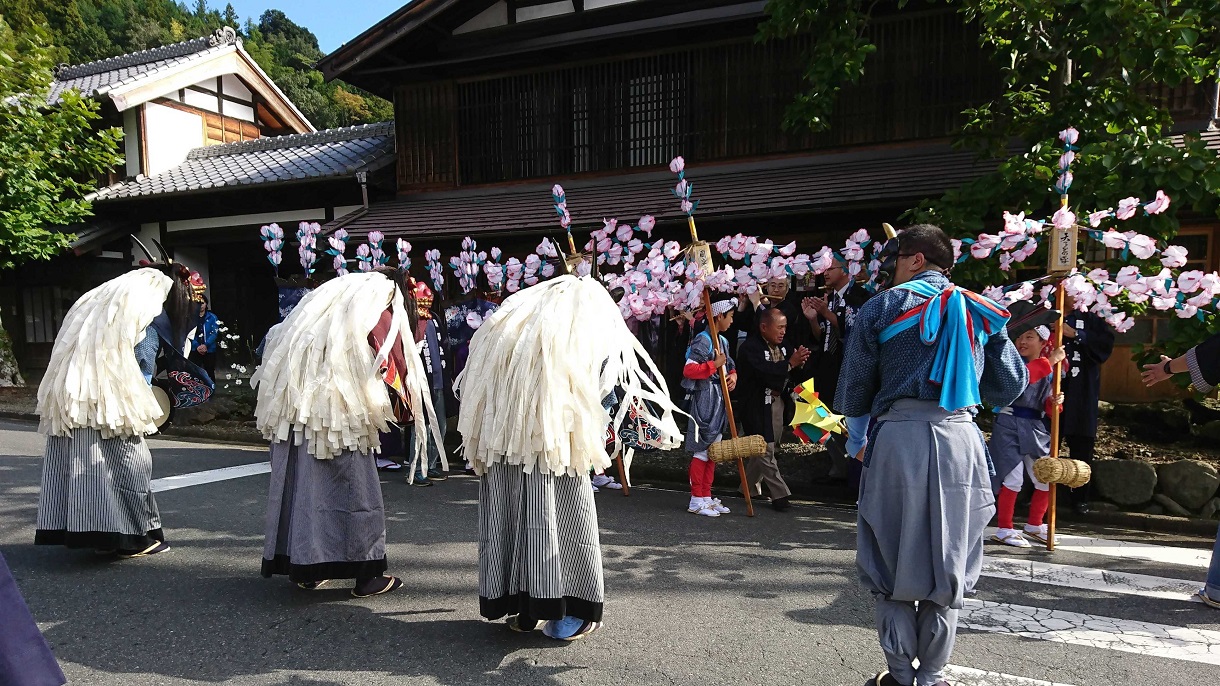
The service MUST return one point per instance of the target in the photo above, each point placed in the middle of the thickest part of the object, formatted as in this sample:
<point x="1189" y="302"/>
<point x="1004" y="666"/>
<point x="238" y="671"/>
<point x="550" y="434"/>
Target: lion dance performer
<point x="533" y="425"/>
<point x="923" y="355"/>
<point x="335" y="373"/>
<point x="96" y="404"/>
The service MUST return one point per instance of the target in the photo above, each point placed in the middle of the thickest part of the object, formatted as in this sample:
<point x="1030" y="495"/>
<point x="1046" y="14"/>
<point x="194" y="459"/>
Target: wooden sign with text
<point x="1062" y="255"/>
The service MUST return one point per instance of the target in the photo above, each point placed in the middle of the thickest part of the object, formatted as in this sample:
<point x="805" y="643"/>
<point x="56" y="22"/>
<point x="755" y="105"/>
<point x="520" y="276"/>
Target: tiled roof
<point x="333" y="152"/>
<point x="96" y="77"/>
<point x="787" y="186"/>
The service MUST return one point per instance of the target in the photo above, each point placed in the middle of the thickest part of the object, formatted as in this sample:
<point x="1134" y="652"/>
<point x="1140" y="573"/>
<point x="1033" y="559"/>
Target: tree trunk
<point x="10" y="375"/>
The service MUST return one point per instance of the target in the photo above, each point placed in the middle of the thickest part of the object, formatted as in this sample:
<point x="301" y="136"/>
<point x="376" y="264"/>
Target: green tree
<point x="49" y="158"/>
<point x="1102" y="66"/>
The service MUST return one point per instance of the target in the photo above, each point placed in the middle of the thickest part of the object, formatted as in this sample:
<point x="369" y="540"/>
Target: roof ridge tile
<point x="222" y="36"/>
<point x="337" y="135"/>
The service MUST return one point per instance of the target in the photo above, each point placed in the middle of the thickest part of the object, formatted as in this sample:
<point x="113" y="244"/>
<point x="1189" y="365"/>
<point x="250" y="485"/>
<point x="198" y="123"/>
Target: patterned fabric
<point x="876" y="374"/>
<point x="636" y="431"/>
<point x="704" y="397"/>
<point x="325" y="518"/>
<point x="539" y="547"/>
<point x="1203" y="361"/>
<point x="97" y="493"/>
<point x="394" y="367"/>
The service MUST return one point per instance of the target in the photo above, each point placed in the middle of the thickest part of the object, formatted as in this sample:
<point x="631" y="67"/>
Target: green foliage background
<point x="88" y="30"/>
<point x="1097" y="65"/>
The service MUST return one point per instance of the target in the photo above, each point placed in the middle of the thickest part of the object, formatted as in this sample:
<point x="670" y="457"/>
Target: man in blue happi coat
<point x="922" y="356"/>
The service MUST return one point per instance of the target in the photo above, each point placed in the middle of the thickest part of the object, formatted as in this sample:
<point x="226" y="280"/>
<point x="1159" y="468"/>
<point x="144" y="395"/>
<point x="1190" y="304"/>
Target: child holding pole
<point x="706" y="404"/>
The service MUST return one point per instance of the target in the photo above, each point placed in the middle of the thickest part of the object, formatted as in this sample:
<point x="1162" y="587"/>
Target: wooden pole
<point x="724" y="381"/>
<point x="1058" y="377"/>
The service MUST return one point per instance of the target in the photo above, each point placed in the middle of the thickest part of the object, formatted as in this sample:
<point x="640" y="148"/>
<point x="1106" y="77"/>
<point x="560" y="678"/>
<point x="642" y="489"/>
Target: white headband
<point x="1043" y="332"/>
<point x="723" y="306"/>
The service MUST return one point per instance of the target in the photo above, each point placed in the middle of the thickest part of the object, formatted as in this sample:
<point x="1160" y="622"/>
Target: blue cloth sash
<point x="955" y="320"/>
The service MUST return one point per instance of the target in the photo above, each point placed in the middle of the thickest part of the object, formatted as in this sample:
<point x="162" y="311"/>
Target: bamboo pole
<point x="622" y="470"/>
<point x="1058" y="378"/>
<point x="724" y="380"/>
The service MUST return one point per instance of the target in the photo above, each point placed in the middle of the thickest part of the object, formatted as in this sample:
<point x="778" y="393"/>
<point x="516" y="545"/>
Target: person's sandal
<point x="312" y="585"/>
<point x="586" y="629"/>
<point x="393" y="583"/>
<point x="521" y="627"/>
<point x="1207" y="600"/>
<point x="158" y="547"/>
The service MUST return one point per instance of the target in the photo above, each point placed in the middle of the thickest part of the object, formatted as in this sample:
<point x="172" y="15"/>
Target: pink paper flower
<point x="1203" y="299"/>
<point x="993" y="293"/>
<point x="1005" y="262"/>
<point x="788" y="250"/>
<point x="957" y="248"/>
<point x="1114" y="240"/>
<point x="1099" y="275"/>
<point x="1069" y="135"/>
<point x="1158" y="204"/>
<point x="677" y="165"/>
<point x="647" y="222"/>
<point x="1096" y="217"/>
<point x="1143" y="246"/>
<point x="1190" y="281"/>
<point x="1173" y="256"/>
<point x="1063" y="218"/>
<point x="1126" y="208"/>
<point x="1066" y="159"/>
<point x="557" y="191"/>
<point x="686" y="206"/>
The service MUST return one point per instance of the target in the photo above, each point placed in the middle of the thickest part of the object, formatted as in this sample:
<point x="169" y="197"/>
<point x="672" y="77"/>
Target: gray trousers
<point x="430" y="462"/>
<point x="765" y="470"/>
<point x="921" y="630"/>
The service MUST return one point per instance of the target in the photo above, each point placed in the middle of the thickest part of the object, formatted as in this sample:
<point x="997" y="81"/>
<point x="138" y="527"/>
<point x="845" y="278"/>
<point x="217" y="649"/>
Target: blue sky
<point x="334" y="23"/>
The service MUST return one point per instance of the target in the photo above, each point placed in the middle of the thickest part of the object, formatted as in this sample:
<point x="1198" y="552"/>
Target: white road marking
<point x="170" y="483"/>
<point x="1187" y="557"/>
<point x="966" y="676"/>
<point x="1089" y="579"/>
<point x="1143" y="638"/>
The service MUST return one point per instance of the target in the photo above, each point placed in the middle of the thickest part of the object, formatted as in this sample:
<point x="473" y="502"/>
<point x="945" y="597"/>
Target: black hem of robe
<point x="282" y="565"/>
<point x="98" y="540"/>
<point x="540" y="608"/>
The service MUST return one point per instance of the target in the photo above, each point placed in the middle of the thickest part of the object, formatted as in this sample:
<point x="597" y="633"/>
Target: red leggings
<point x="701" y="474"/>
<point x="1007" y="502"/>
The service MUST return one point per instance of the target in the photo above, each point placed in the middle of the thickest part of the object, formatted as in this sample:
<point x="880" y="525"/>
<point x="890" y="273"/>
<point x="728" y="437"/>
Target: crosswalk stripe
<point x="169" y="483"/>
<point x="1144" y="638"/>
<point x="966" y="676"/>
<point x="1087" y="578"/>
<point x="1187" y="557"/>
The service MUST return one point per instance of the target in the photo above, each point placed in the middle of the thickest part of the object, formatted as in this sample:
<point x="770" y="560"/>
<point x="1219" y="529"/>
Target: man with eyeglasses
<point x="921" y="358"/>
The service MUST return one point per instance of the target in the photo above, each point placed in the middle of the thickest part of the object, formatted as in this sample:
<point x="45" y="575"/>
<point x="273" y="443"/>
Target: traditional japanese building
<point x="496" y="100"/>
<point x="213" y="150"/>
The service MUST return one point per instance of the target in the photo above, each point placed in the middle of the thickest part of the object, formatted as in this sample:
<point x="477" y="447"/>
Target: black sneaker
<point x="421" y="481"/>
<point x="436" y="475"/>
<point x="780" y="504"/>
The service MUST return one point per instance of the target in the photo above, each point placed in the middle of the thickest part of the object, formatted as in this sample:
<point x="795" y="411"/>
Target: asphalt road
<point x="691" y="600"/>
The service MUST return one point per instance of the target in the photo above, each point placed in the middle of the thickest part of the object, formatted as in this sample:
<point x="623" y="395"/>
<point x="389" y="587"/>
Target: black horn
<point x="164" y="255"/>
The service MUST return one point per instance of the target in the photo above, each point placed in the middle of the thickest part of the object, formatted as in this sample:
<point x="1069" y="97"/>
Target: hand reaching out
<point x="732" y="381"/>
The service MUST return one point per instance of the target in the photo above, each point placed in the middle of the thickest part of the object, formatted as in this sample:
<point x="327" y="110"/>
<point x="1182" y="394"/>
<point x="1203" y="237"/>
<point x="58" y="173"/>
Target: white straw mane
<point x="320" y="378"/>
<point x="532" y="390"/>
<point x="93" y="379"/>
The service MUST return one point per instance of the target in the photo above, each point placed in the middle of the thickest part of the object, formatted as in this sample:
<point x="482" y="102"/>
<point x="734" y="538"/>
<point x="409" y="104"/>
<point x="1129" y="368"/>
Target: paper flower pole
<point x="467" y="264"/>
<point x="436" y="270"/>
<point x="307" y="234"/>
<point x="404" y="254"/>
<point x="273" y="243"/>
<point x="338" y="246"/>
<point x="377" y="256"/>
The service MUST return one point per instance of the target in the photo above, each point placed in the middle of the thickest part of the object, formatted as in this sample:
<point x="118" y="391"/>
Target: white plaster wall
<point x="496" y="15"/>
<point x="169" y="135"/>
<point x="147" y="234"/>
<point x="552" y="9"/>
<point x="131" y="142"/>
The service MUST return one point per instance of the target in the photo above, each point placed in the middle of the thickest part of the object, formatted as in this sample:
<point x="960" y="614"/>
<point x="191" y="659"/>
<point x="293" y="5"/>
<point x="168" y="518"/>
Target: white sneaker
<point x="596" y="489"/>
<point x="1038" y="533"/>
<point x="603" y="481"/>
<point x="696" y="504"/>
<point x="1011" y="537"/>
<point x="704" y="506"/>
<point x="719" y="506"/>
